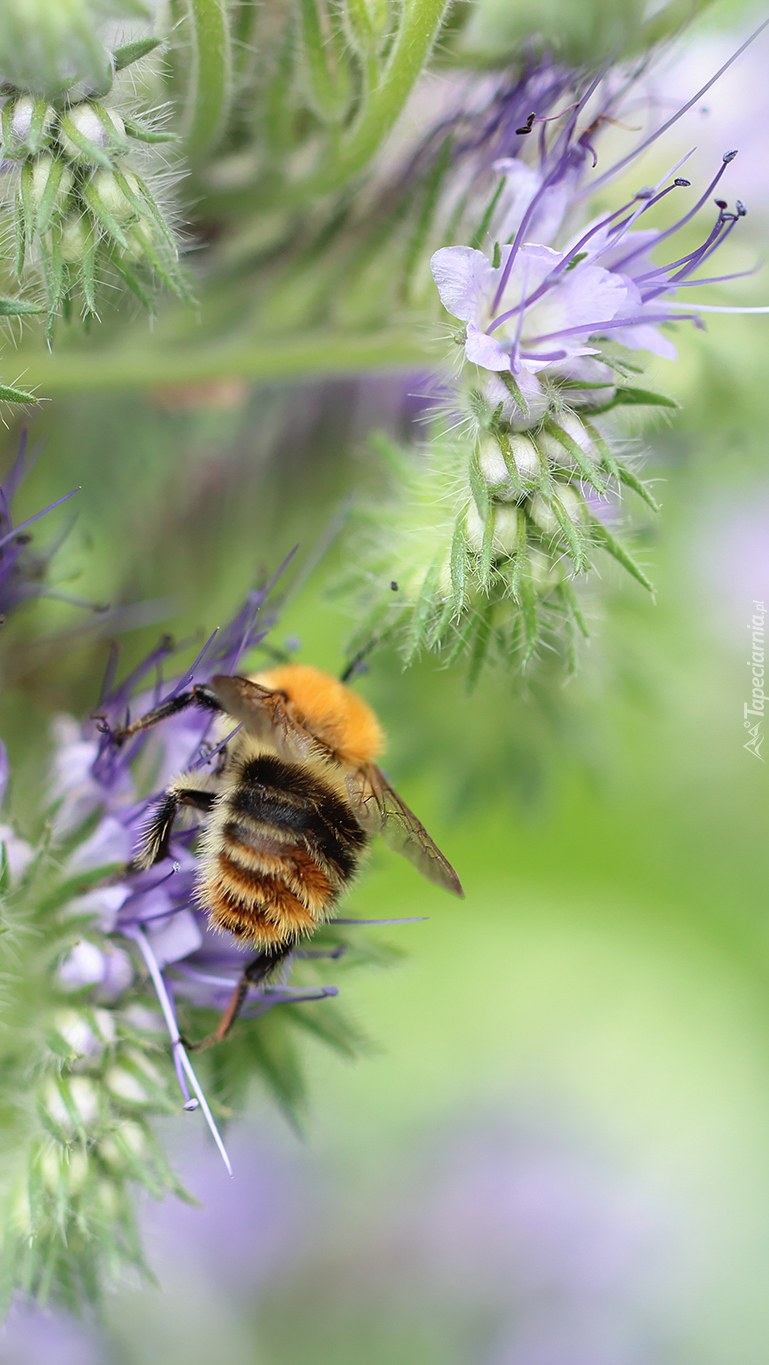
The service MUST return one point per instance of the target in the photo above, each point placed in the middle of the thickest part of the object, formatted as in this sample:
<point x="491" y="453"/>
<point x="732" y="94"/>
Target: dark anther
<point x="729" y="156"/>
<point x="23" y="540"/>
<point x="394" y="586"/>
<point x="720" y="203"/>
<point x="682" y="182"/>
<point x="741" y="210"/>
<point x="529" y="124"/>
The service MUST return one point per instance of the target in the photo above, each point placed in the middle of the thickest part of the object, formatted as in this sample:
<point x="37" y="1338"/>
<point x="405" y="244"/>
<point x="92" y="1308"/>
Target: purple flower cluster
<point x="533" y="306"/>
<point x="153" y="909"/>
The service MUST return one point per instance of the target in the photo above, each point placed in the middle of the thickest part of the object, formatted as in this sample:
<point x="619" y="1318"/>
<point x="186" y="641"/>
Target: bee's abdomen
<point x="283" y="846"/>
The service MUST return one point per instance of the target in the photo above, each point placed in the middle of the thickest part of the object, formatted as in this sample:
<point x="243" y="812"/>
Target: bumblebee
<point x="287" y="815"/>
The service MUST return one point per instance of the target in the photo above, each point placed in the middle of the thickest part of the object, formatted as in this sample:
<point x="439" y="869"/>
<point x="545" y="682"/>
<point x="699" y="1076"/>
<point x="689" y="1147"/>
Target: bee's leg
<point x="256" y="972"/>
<point x="198" y="696"/>
<point x="157" y="835"/>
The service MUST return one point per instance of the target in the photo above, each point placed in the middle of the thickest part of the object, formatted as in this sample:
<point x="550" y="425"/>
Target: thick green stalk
<point x="277" y="357"/>
<point x="206" y="35"/>
<point x="418" y="29"/>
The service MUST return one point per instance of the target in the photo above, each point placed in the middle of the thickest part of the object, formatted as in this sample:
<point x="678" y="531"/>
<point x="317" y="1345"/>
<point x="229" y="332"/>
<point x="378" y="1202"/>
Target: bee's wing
<point x="380" y="810"/>
<point x="264" y="713"/>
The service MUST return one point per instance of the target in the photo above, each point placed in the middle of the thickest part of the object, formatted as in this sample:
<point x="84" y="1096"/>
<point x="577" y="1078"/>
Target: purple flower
<point x="153" y="910"/>
<point x="533" y="306"/>
<point x="22" y="570"/>
<point x="539" y="306"/>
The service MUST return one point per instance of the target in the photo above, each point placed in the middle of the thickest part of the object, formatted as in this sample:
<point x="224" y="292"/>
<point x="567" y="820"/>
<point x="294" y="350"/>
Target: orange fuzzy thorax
<point x="329" y="710"/>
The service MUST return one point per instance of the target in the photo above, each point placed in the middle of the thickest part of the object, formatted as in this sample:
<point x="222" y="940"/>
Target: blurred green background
<point x="556" y="1151"/>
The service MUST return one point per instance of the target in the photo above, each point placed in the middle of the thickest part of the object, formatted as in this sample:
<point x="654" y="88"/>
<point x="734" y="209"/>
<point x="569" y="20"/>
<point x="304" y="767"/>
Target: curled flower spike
<point x="514" y="503"/>
<point x="83" y="212"/>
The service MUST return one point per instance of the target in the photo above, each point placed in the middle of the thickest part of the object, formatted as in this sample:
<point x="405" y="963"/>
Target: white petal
<point x="463" y="277"/>
<point x="485" y="350"/>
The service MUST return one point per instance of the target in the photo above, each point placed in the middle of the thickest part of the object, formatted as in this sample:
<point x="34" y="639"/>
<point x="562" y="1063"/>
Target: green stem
<point x="418" y="30"/>
<point x="209" y="89"/>
<point x="154" y="364"/>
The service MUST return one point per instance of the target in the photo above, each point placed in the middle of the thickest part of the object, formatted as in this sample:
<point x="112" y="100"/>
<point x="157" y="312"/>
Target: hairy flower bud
<point x="71" y="1103"/>
<point x="50" y="183"/>
<point x="121" y="1149"/>
<point x="88" y="132"/>
<point x="114" y="199"/>
<point x="74" y="239"/>
<point x="26" y="126"/>
<point x="542" y="514"/>
<point x="63" y="1165"/>
<point x="125" y="1086"/>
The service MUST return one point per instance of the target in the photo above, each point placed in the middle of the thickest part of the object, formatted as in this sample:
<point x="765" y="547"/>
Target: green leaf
<point x="421" y="611"/>
<point x="10" y="308"/>
<point x="583" y="462"/>
<point x="140" y="134"/>
<point x="512" y="387"/>
<point x="570" y="532"/>
<point x="606" y="540"/>
<point x="631" y="397"/>
<point x="638" y="486"/>
<point x="478" y="486"/>
<point x="487" y="545"/>
<point x="459" y="562"/>
<point x="11" y="395"/>
<point x="609" y="463"/>
<point x="133" y="52"/>
<point x="645" y="398"/>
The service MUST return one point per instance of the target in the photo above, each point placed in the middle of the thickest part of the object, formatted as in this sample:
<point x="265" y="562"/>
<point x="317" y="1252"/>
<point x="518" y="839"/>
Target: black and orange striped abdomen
<point x="280" y="846"/>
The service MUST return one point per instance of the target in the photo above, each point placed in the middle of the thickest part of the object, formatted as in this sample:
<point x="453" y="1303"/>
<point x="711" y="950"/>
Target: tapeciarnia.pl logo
<point x="753" y="710"/>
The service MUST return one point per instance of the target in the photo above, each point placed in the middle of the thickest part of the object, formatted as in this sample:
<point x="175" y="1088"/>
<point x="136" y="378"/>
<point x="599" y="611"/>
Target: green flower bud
<point x="111" y="195"/>
<point x="137" y="238"/>
<point x="108" y="1201"/>
<point x="494" y="469"/>
<point x="526" y="456"/>
<point x="27" y="124"/>
<point x="90" y="133"/>
<point x="505" y="537"/>
<point x="506" y="529"/>
<point x="542" y="572"/>
<point x="125" y="1086"/>
<point x="50" y="183"/>
<point x="77" y="1033"/>
<point x="544" y="517"/>
<point x="105" y="1024"/>
<point x="72" y="1102"/>
<point x="118" y="1150"/>
<point x="63" y="1165"/>
<point x="367" y="23"/>
<point x="74" y="239"/>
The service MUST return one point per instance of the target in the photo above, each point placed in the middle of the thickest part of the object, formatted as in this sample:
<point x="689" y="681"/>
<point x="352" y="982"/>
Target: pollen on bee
<point x="331" y="710"/>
